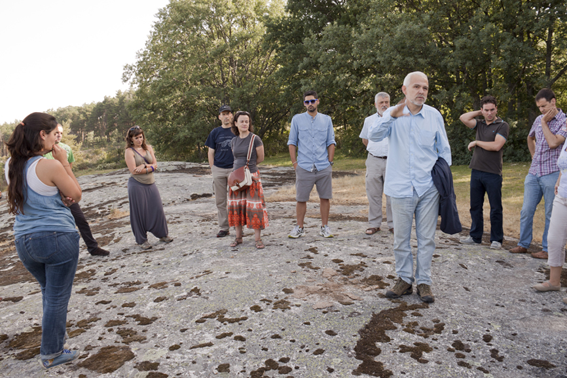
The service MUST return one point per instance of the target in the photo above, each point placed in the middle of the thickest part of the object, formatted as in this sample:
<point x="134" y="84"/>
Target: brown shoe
<point x="425" y="294"/>
<point x="400" y="288"/>
<point x="540" y="255"/>
<point x="518" y="249"/>
<point x="99" y="252"/>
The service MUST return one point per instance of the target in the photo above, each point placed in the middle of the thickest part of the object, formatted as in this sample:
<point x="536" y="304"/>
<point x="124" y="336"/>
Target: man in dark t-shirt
<point x="221" y="160"/>
<point x="486" y="166"/>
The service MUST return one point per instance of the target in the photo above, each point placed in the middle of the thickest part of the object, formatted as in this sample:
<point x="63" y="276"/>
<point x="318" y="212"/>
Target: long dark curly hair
<point x="24" y="144"/>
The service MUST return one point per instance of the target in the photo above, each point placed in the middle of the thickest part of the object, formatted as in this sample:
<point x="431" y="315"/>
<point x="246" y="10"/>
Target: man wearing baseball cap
<point x="220" y="160"/>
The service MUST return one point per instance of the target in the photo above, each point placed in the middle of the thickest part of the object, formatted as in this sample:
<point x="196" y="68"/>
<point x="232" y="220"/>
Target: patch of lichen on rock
<point x="147" y="366"/>
<point x="375" y="332"/>
<point x="108" y="359"/>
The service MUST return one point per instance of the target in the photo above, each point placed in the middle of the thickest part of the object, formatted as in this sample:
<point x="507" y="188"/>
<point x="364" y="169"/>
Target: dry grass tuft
<point x="348" y="190"/>
<point x="117" y="213"/>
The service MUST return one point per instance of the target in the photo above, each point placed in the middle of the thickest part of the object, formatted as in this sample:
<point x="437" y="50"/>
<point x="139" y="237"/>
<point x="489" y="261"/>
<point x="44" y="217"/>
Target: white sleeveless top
<point x="33" y="181"/>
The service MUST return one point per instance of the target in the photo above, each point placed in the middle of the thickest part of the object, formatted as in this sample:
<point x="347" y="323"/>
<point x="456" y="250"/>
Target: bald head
<point x="408" y="79"/>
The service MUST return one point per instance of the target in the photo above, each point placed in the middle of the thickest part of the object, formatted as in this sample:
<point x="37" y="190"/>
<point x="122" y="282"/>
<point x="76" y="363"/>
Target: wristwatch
<point x="332" y="162"/>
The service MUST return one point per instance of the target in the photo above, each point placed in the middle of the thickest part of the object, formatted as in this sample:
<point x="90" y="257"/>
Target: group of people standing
<point x="311" y="147"/>
<point x="546" y="142"/>
<point x="402" y="163"/>
<point x="43" y="194"/>
<point x="229" y="145"/>
<point x="406" y="143"/>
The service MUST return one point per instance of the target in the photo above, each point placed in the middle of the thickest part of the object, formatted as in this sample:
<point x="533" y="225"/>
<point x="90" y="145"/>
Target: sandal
<point x="372" y="230"/>
<point x="259" y="244"/>
<point x="237" y="240"/>
<point x="548" y="287"/>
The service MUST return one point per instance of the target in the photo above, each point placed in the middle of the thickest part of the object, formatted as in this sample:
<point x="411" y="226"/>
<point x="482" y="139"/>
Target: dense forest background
<point x="261" y="55"/>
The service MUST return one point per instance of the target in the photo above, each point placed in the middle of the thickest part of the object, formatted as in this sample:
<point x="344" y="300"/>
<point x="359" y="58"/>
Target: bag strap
<point x="147" y="162"/>
<point x="250" y="149"/>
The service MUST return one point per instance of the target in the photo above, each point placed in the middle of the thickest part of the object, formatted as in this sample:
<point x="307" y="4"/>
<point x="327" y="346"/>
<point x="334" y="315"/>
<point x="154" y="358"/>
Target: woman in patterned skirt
<point x="247" y="207"/>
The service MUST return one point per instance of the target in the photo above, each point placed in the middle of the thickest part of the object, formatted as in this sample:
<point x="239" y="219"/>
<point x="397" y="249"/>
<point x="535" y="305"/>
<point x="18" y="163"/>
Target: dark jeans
<point x="490" y="183"/>
<point x="51" y="257"/>
<point x="83" y="226"/>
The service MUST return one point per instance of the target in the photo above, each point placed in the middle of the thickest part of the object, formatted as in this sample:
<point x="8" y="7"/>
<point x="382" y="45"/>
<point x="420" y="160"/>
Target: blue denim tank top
<point x="42" y="213"/>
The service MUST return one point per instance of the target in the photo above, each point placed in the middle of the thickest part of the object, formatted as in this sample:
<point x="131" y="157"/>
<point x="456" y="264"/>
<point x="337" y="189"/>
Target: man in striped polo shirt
<point x="545" y="139"/>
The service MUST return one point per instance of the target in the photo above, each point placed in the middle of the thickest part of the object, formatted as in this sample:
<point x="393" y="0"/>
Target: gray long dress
<point x="146" y="209"/>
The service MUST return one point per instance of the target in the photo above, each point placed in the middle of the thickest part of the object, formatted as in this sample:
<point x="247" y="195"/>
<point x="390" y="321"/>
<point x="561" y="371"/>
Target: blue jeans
<point x="534" y="189"/>
<point x="426" y="210"/>
<point x="51" y="257"/>
<point x="490" y="183"/>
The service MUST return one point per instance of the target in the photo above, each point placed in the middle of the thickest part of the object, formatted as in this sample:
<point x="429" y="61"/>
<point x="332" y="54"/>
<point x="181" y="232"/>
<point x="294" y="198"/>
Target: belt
<point x="379" y="157"/>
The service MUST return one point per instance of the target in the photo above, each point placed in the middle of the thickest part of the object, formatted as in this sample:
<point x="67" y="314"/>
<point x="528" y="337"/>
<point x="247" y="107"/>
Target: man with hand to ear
<point x="417" y="139"/>
<point x="486" y="166"/>
<point x="80" y="220"/>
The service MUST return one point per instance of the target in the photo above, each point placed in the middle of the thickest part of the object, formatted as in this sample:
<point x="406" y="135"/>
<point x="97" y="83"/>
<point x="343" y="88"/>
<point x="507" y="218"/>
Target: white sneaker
<point x="326" y="232"/>
<point x="468" y="240"/>
<point x="297" y="232"/>
<point x="496" y="245"/>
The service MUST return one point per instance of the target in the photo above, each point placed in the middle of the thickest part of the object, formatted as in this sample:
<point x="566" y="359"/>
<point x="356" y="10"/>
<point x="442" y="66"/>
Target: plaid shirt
<point x="544" y="161"/>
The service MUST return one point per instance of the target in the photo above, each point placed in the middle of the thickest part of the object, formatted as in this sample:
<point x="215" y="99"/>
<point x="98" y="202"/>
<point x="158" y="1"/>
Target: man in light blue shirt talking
<point x="417" y="138"/>
<point x="312" y="136"/>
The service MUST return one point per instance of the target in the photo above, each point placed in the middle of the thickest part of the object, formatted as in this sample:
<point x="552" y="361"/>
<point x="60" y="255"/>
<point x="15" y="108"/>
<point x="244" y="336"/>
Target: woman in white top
<point x="44" y="229"/>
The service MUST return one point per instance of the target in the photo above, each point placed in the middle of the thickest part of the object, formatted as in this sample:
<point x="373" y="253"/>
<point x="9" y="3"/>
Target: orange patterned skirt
<point x="247" y="207"/>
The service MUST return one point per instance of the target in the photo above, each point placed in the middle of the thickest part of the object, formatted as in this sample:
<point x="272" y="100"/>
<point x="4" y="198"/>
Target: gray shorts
<point x="304" y="181"/>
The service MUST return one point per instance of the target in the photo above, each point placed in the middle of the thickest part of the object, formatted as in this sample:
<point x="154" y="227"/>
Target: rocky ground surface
<point x="310" y="307"/>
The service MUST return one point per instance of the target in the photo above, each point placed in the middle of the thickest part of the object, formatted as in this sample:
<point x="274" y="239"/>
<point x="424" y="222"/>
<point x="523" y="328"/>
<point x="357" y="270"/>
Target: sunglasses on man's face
<point x="309" y="102"/>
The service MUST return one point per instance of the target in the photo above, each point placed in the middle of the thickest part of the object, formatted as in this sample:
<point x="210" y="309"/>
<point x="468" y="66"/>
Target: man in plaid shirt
<point x="545" y="140"/>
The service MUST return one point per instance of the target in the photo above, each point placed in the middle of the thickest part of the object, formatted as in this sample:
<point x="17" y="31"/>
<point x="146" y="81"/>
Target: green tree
<point x="202" y="54"/>
<point x="508" y="48"/>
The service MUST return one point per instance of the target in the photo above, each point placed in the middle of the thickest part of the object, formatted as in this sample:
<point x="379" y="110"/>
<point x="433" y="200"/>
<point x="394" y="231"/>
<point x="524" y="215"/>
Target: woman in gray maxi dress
<point x="146" y="209"/>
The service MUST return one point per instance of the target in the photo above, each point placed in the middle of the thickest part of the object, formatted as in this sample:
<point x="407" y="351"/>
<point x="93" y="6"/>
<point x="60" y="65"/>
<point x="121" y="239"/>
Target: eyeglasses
<point x="134" y="128"/>
<point x="309" y="102"/>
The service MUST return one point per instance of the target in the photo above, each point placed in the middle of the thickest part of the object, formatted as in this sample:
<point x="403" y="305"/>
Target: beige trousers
<point x="220" y="188"/>
<point x="375" y="177"/>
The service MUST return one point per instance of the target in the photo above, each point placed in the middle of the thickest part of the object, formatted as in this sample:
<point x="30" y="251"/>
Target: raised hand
<point x="550" y="114"/>
<point x="398" y="110"/>
<point x="59" y="154"/>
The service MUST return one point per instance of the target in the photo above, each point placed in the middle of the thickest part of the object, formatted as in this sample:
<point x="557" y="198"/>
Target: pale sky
<point x="56" y="53"/>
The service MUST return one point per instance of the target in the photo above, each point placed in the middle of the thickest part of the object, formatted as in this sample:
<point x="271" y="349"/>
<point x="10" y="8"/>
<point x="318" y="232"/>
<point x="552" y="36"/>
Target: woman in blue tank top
<point x="44" y="229"/>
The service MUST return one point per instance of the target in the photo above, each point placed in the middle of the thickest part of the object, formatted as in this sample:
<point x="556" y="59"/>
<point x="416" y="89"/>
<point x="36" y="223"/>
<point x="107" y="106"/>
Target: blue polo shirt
<point x="312" y="136"/>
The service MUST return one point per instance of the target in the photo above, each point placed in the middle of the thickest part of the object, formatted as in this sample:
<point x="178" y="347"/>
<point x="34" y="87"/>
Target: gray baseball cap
<point x="225" y="108"/>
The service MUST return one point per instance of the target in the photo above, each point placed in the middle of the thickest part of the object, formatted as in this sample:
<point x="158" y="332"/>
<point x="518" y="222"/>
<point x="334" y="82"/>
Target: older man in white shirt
<point x="376" y="169"/>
